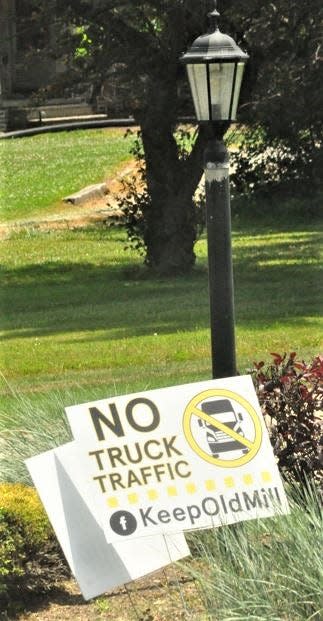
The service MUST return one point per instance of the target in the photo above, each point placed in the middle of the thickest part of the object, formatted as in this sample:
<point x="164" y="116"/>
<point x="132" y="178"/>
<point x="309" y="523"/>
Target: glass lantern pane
<point x="221" y="82"/>
<point x="198" y="83"/>
<point x="240" y="70"/>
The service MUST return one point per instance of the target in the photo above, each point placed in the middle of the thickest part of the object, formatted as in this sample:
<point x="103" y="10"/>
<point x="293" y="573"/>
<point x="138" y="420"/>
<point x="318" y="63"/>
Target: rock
<point x="91" y="191"/>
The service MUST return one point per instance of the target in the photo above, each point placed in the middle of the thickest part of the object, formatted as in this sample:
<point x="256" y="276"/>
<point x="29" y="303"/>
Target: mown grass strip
<point x="38" y="172"/>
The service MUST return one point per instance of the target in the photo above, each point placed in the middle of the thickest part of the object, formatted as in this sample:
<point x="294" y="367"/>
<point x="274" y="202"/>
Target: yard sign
<point x="60" y="477"/>
<point x="175" y="459"/>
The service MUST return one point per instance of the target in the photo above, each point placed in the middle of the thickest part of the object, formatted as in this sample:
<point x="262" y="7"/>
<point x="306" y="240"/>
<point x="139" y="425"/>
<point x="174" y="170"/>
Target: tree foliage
<point x="145" y="39"/>
<point x="281" y="98"/>
<point x="284" y="42"/>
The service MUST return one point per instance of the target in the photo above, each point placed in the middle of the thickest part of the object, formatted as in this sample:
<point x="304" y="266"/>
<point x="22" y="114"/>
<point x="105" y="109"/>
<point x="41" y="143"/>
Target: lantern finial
<point x="213" y="16"/>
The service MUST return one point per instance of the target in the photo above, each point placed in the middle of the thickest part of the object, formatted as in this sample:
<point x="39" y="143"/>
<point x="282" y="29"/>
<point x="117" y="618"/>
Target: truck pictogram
<point x="218" y="441"/>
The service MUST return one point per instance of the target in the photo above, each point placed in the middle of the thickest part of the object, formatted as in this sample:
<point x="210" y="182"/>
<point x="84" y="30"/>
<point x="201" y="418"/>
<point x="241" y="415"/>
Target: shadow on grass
<point x="273" y="282"/>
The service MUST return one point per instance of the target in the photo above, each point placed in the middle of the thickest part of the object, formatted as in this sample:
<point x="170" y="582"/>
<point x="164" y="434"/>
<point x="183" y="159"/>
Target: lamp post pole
<point x="218" y="220"/>
<point x="215" y="66"/>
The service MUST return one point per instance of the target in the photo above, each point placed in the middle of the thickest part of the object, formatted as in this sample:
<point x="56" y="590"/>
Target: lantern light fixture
<point x="215" y="66"/>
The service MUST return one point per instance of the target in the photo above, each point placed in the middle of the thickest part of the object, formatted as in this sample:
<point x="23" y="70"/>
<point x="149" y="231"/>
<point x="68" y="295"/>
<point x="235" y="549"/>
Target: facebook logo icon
<point x="123" y="523"/>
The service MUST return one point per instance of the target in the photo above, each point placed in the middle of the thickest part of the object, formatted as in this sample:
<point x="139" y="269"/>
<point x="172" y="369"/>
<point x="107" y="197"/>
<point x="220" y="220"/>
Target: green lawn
<point x="38" y="172"/>
<point x="78" y="309"/>
<point x="81" y="317"/>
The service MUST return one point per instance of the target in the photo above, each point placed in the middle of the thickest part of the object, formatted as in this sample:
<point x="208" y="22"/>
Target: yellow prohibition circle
<point x="192" y="409"/>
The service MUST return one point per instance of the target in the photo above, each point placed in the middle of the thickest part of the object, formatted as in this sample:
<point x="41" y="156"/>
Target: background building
<point x="31" y="90"/>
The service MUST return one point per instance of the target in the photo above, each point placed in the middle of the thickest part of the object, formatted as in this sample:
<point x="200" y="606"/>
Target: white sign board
<point x="180" y="458"/>
<point x="60" y="476"/>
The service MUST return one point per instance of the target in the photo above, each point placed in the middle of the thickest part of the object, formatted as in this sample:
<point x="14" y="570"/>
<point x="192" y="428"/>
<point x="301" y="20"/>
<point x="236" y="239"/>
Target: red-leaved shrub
<point x="291" y="397"/>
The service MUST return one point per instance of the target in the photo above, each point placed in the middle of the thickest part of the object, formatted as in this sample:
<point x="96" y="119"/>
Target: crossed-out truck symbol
<point x="218" y="441"/>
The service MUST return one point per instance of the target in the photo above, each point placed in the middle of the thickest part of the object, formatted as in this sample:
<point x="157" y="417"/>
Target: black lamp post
<point x="215" y="66"/>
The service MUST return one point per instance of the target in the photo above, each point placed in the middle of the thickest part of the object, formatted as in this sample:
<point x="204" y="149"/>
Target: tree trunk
<point x="171" y="181"/>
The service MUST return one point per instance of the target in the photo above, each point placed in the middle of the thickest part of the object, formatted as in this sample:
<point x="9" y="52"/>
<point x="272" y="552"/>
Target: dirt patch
<point x="93" y="212"/>
<point x="163" y="596"/>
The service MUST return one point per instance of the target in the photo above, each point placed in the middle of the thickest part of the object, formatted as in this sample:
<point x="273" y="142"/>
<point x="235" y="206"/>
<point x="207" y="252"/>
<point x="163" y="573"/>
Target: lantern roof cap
<point x="214" y="45"/>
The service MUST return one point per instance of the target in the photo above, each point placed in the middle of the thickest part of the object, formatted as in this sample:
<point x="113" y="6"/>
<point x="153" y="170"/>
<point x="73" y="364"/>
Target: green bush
<point x="30" y="558"/>
<point x="11" y="552"/>
<point x="279" y="166"/>
<point x="276" y="179"/>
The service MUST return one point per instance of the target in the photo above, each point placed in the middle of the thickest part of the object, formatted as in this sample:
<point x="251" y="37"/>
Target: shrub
<point x="291" y="397"/>
<point x="270" y="166"/>
<point x="276" y="179"/>
<point x="30" y="558"/>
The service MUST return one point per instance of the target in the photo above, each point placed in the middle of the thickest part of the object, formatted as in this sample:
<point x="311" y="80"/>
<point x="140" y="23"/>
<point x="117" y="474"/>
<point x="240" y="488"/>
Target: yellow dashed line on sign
<point x="133" y="498"/>
<point x="152" y="494"/>
<point x="112" y="502"/>
<point x="191" y="488"/>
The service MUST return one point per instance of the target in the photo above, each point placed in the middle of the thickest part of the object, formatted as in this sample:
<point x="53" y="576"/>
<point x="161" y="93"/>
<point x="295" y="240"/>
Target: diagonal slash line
<point x="216" y="423"/>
